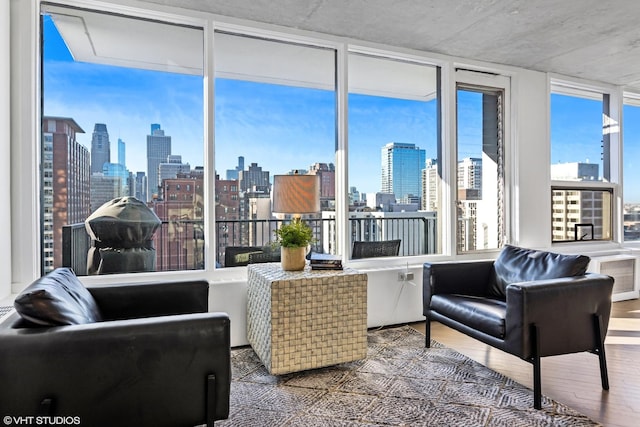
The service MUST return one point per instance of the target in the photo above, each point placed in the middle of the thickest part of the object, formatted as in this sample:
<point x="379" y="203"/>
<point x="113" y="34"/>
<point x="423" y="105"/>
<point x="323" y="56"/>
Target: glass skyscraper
<point x="158" y="149"/>
<point x="402" y="166"/>
<point x="100" y="148"/>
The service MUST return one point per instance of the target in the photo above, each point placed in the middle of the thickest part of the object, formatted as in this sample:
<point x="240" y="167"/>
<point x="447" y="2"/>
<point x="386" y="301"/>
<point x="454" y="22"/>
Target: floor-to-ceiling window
<point x="581" y="195"/>
<point x="394" y="179"/>
<point x="275" y="114"/>
<point x="122" y="117"/>
<point x="481" y="171"/>
<point x="276" y="101"/>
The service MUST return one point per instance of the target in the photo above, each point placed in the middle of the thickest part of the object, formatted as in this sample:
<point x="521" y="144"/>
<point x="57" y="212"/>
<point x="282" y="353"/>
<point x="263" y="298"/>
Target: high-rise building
<point x="355" y="199"/>
<point x="104" y="188"/>
<point x="158" y="148"/>
<point x="179" y="245"/>
<point x="66" y="198"/>
<point x="382" y="202"/>
<point x="254" y="179"/>
<point x="122" y="153"/>
<point x="170" y="170"/>
<point x="470" y="175"/>
<point x="140" y="191"/>
<point x="430" y="190"/>
<point x="131" y="184"/>
<point x="227" y="209"/>
<point x="117" y="170"/>
<point x="469" y="197"/>
<point x="327" y="173"/>
<point x="574" y="212"/>
<point x="402" y="166"/>
<point x="575" y="171"/>
<point x="233" y="173"/>
<point x="100" y="147"/>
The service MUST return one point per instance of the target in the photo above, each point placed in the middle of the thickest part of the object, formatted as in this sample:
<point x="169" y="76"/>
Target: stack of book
<point x="325" y="262"/>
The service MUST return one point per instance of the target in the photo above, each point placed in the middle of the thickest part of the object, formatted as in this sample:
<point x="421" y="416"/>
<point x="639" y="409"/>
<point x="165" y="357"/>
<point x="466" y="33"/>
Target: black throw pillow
<point x="515" y="264"/>
<point x="58" y="298"/>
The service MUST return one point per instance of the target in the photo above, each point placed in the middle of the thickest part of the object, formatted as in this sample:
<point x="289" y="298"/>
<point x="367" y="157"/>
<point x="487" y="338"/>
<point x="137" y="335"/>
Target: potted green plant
<point x="294" y="239"/>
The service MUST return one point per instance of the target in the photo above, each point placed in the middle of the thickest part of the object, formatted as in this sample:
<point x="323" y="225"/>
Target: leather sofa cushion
<point x="516" y="264"/>
<point x="483" y="314"/>
<point x="58" y="298"/>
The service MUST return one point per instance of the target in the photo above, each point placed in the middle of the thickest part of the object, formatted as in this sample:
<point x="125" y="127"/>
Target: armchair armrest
<point x="134" y="300"/>
<point x="130" y="372"/>
<point x="562" y="309"/>
<point x="465" y="278"/>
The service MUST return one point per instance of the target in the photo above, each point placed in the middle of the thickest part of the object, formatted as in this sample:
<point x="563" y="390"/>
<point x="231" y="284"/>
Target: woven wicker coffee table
<point x="307" y="319"/>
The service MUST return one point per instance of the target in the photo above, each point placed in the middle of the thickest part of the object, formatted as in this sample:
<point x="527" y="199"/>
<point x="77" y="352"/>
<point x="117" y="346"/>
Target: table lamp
<point x="295" y="195"/>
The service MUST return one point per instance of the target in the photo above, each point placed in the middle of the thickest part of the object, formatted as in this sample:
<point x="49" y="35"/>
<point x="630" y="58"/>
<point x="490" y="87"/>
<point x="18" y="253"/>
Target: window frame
<point x="611" y="98"/>
<point x="25" y="266"/>
<point x="586" y="186"/>
<point x="631" y="99"/>
<point x="160" y="23"/>
<point x="478" y="79"/>
<point x="413" y="60"/>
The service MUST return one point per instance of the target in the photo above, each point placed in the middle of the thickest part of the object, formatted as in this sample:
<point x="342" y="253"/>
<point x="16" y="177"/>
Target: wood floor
<point x="574" y="379"/>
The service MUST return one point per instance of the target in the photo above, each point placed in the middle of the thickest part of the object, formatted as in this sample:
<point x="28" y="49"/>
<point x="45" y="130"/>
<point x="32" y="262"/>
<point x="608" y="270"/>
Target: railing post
<point x="66" y="246"/>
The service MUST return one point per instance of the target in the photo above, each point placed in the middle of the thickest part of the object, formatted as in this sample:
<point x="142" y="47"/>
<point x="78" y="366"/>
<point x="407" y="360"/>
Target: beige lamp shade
<point x="296" y="194"/>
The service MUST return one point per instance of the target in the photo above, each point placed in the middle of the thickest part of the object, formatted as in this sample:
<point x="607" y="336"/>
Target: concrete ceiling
<point x="592" y="39"/>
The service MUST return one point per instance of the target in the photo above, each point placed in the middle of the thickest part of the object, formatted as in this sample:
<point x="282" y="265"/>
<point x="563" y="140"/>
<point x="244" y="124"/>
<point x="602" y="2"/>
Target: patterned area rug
<point x="400" y="383"/>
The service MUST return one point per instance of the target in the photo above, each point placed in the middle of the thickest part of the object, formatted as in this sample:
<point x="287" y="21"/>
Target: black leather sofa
<point x="145" y="354"/>
<point x="527" y="303"/>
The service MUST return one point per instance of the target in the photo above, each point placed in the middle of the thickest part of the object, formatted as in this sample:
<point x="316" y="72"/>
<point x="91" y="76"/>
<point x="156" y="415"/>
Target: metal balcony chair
<point x="375" y="249"/>
<point x="236" y="256"/>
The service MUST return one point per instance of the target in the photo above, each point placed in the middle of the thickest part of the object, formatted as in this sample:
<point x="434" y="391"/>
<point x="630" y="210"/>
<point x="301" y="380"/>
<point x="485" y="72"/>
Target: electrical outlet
<point x="405" y="276"/>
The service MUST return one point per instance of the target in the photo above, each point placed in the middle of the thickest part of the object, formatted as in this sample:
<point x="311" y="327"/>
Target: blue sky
<point x="576" y="130"/>
<point x="126" y="100"/>
<point x="281" y="127"/>
<point x="278" y="127"/>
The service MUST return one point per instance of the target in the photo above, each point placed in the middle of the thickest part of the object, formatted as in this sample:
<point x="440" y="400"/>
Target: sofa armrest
<point x="562" y="309"/>
<point x="465" y="278"/>
<point x="130" y="372"/>
<point x="134" y="300"/>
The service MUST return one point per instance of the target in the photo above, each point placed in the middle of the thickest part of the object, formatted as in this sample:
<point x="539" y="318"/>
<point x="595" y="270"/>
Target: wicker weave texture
<point x="305" y="320"/>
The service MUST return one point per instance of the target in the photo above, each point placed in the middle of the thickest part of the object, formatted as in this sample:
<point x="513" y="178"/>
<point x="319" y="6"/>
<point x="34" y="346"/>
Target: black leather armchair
<point x="527" y="303"/>
<point x="156" y="358"/>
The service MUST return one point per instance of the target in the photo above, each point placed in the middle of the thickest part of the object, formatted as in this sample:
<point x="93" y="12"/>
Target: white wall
<point x="532" y="196"/>
<point x="24" y="228"/>
<point x="389" y="301"/>
<point x="5" y="147"/>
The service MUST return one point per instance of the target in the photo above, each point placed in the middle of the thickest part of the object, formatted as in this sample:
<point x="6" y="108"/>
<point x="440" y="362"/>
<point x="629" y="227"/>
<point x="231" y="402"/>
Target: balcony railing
<point x="75" y="245"/>
<point x="180" y="244"/>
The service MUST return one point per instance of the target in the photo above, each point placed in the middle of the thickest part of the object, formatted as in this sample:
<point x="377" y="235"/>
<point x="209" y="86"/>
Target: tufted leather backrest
<point x="515" y="264"/>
